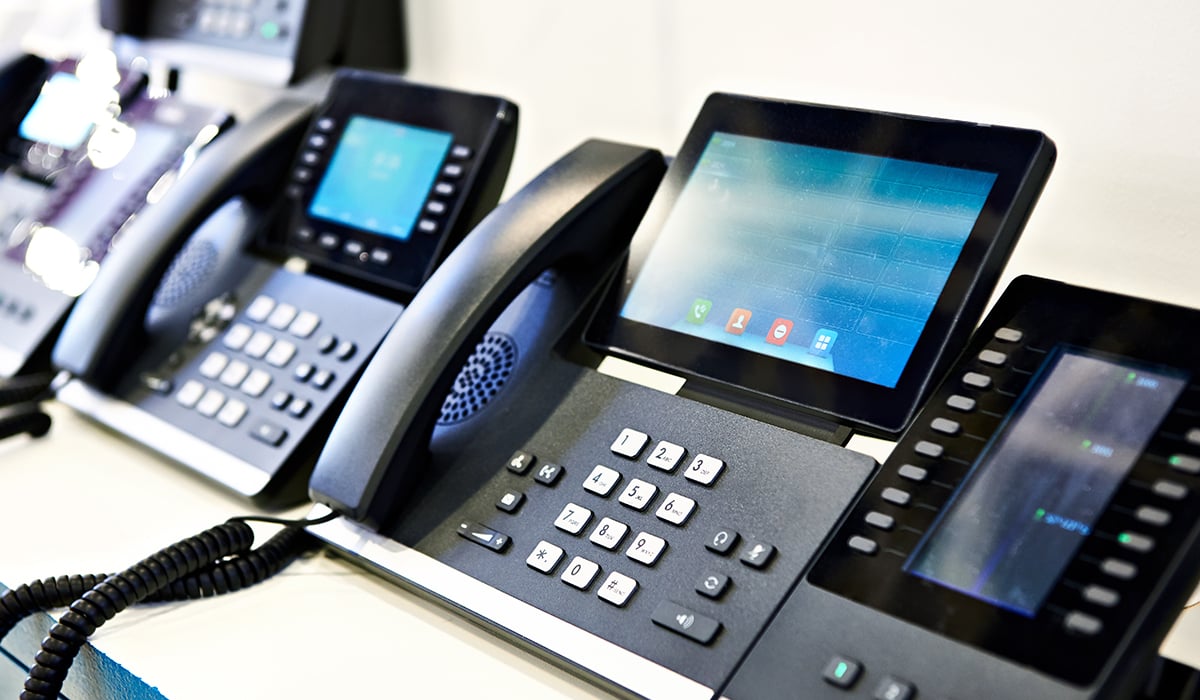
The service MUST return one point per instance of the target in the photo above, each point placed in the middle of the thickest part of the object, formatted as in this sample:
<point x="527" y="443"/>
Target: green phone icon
<point x="699" y="311"/>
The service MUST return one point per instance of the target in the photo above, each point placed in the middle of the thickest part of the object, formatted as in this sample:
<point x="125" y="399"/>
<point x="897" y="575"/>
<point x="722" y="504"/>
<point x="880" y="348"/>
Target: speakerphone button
<point x="1009" y="335"/>
<point x="680" y="620"/>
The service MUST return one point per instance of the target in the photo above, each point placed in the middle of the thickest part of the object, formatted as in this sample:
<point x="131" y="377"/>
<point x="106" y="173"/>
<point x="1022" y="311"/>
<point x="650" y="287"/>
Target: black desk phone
<point x="807" y="265"/>
<point x="84" y="149"/>
<point x="204" y="346"/>
<point x="1031" y="536"/>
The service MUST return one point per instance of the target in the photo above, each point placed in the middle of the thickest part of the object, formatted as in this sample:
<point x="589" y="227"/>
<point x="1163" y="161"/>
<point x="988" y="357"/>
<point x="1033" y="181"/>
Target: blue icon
<point x="822" y="342"/>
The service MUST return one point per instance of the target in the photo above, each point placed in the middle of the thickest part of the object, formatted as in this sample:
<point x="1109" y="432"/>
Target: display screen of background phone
<point x="380" y="176"/>
<point x="820" y="257"/>
<point x="1037" y="490"/>
<point x="62" y="115"/>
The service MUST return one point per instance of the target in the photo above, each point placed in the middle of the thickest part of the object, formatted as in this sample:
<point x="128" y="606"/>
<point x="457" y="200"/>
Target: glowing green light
<point x="1085" y="444"/>
<point x="1174" y="460"/>
<point x="1124" y="538"/>
<point x="1039" y="514"/>
<point x="269" y="30"/>
<point x="1130" y="377"/>
<point x="841" y="669"/>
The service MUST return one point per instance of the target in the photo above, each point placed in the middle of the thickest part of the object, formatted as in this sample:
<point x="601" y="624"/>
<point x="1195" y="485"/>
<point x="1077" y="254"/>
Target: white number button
<point x="544" y="557"/>
<point x="630" y="443"/>
<point x="609" y="533"/>
<point x="214" y="364"/>
<point x="646" y="548"/>
<point x="573" y="519"/>
<point x="676" y="509"/>
<point x="580" y="572"/>
<point x="665" y="456"/>
<point x="617" y="588"/>
<point x="704" y="469"/>
<point x="602" y="480"/>
<point x="639" y="494"/>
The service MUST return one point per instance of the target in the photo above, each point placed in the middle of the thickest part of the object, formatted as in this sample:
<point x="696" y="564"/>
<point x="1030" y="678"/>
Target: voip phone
<point x="203" y="345"/>
<point x="1033" y="533"/>
<point x="85" y="149"/>
<point x="811" y="267"/>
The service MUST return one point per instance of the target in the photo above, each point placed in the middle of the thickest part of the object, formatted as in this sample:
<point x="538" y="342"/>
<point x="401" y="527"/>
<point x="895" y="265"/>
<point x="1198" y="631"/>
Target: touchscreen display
<point x="1037" y="490"/>
<point x="819" y="257"/>
<point x="380" y="176"/>
<point x="62" y="116"/>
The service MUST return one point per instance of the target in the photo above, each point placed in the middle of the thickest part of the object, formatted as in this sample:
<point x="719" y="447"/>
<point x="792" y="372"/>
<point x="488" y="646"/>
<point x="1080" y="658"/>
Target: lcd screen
<point x="819" y="257"/>
<point x="1039" y="487"/>
<point x="63" y="114"/>
<point x="380" y="176"/>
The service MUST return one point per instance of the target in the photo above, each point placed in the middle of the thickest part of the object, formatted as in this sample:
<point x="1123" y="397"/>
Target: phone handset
<point x="108" y="325"/>
<point x="578" y="214"/>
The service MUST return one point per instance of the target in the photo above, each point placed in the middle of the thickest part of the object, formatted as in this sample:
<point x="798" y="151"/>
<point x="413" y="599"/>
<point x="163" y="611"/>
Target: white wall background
<point x="1114" y="84"/>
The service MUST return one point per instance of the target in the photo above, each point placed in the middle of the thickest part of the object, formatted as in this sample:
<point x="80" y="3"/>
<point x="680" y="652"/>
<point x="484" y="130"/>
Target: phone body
<point x="642" y="538"/>
<point x="1029" y="534"/>
<point x="89" y="150"/>
<point x="210" y="348"/>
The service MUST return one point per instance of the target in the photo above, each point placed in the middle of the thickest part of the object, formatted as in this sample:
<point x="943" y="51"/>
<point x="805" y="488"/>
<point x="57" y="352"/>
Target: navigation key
<point x="483" y="536"/>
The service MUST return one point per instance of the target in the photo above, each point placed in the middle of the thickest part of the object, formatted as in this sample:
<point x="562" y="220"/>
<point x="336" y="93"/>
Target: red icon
<point x="737" y="321"/>
<point x="780" y="330"/>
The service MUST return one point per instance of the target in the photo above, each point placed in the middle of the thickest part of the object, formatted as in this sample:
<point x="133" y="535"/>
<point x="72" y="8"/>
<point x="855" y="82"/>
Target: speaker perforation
<point x="189" y="269"/>
<point x="482" y="377"/>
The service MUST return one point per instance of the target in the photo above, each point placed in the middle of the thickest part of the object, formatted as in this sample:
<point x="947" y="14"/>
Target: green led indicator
<point x="840" y="671"/>
<point x="1130" y="377"/>
<point x="1175" y="460"/>
<point x="1124" y="538"/>
<point x="1085" y="444"/>
<point x="269" y="30"/>
<point x="1039" y="514"/>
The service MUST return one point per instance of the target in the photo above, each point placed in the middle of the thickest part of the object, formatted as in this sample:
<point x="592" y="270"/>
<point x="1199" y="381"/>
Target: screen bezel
<point x="1009" y="153"/>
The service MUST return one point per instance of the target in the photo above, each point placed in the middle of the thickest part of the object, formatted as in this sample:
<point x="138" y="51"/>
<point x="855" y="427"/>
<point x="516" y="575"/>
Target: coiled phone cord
<point x="21" y="396"/>
<point x="216" y="561"/>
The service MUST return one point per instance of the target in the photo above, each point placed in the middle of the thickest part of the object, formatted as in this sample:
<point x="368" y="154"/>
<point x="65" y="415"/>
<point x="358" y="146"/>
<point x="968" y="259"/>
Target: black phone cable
<point x="218" y="560"/>
<point x="20" y="411"/>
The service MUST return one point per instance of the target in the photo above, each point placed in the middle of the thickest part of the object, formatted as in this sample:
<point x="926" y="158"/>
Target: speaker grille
<point x="189" y="269"/>
<point x="481" y="378"/>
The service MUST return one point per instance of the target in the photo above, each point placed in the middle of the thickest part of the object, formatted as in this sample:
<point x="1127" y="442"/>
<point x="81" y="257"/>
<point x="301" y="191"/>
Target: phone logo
<point x="781" y="328"/>
<point x="699" y="311"/>
<point x="737" y="321"/>
<point x="822" y="342"/>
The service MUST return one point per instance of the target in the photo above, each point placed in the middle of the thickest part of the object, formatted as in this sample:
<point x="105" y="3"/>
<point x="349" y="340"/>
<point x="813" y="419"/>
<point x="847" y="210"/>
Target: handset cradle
<point x="564" y="218"/>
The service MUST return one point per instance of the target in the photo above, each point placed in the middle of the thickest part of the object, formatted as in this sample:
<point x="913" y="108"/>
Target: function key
<point x="298" y="408"/>
<point x="863" y="545"/>
<point x="712" y="585"/>
<point x="841" y="671"/>
<point x="511" y="501"/>
<point x="544" y="557"/>
<point x="460" y="151"/>
<point x="1135" y="541"/>
<point x="976" y="380"/>
<point x="630" y="443"/>
<point x="681" y="620"/>
<point x="1184" y="463"/>
<point x="435" y="207"/>
<point x="1152" y="516"/>
<point x="1009" y="335"/>
<point x="318" y="141"/>
<point x="427" y="226"/>
<point x="617" y="588"/>
<point x="704" y="469"/>
<point x="326" y="124"/>
<point x="722" y="541"/>
<point x="602" y="480"/>
<point x="520" y="462"/>
<point x="280" y="400"/>
<point x="310" y="158"/>
<point x="282" y="316"/>
<point x="452" y="171"/>
<point x="326" y="344"/>
<point x="929" y="449"/>
<point x="1169" y="489"/>
<point x="913" y="473"/>
<point x="353" y="248"/>
<point x="302" y="175"/>
<point x="896" y="496"/>
<point x="1099" y="595"/>
<point x="879" y="520"/>
<point x="961" y="403"/>
<point x="757" y="554"/>
<point x="445" y="189"/>
<point x="945" y="426"/>
<point x="328" y="241"/>
<point x="609" y="533"/>
<point x="1082" y="624"/>
<point x="483" y="536"/>
<point x="303" y="371"/>
<point x="573" y="518"/>
<point x="638" y="494"/>
<point x="675" y="509"/>
<point x="381" y="256"/>
<point x="646" y="548"/>
<point x="580" y="573"/>
<point x="306" y="322"/>
<point x="322" y="378"/>
<point x="345" y="350"/>
<point x="993" y="358"/>
<point x="665" y="456"/>
<point x="1193" y="436"/>
<point x="260" y="308"/>
<point x="548" y="474"/>
<point x="1118" y="568"/>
